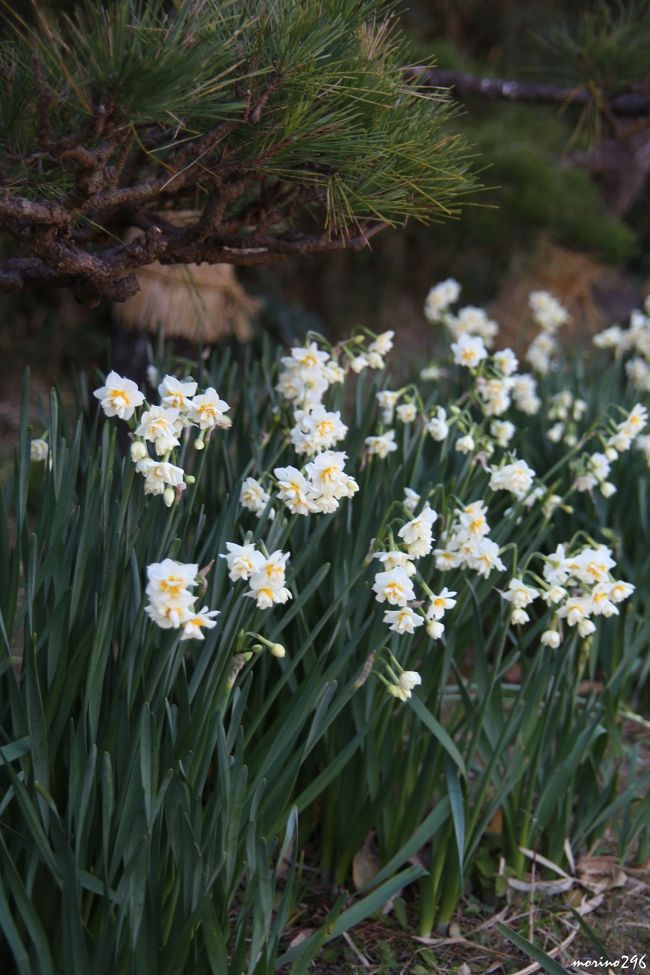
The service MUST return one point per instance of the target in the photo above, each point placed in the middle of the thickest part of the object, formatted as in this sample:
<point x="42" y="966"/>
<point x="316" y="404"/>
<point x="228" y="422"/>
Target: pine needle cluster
<point x="237" y="131"/>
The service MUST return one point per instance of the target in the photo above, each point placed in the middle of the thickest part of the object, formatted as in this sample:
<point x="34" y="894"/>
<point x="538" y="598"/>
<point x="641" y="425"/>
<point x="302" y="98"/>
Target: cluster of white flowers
<point x="171" y="601"/>
<point x="320" y="489"/>
<point x="547" y="311"/>
<point x="467" y="545"/>
<point x="469" y="321"/>
<point x="596" y="468"/>
<point x="316" y="430"/>
<point x="550" y="315"/>
<point x="633" y="341"/>
<point x="516" y="477"/>
<point x="524" y="394"/>
<point x="439" y="298"/>
<point x="162" y="426"/>
<point x="306" y="376"/>
<point x="265" y="574"/>
<point x="623" y="434"/>
<point x="393" y="582"/>
<point x="254" y="498"/>
<point x="304" y="380"/>
<point x="519" y="595"/>
<point x="565" y="412"/>
<point x="580" y="586"/>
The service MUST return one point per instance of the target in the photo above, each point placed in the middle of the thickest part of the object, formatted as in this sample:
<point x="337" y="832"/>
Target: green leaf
<point x="438" y="732"/>
<point x="532" y="951"/>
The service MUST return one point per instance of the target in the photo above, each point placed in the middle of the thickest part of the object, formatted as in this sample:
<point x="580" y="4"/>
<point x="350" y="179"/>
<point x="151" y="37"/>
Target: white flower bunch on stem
<point x="171" y="601"/>
<point x="162" y="426"/>
<point x="264" y="573"/>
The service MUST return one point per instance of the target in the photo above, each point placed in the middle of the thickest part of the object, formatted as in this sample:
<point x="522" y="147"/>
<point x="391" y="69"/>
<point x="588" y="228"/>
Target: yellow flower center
<point x="119" y="396"/>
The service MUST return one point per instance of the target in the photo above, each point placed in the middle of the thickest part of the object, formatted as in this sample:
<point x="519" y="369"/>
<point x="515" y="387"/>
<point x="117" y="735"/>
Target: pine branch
<point x="634" y="103"/>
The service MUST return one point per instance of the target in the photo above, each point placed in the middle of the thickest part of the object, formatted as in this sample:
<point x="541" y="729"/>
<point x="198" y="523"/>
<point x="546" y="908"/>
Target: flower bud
<point x="551" y="638"/>
<point x="168" y="496"/>
<point x="257" y="648"/>
<point x="409" y="679"/>
<point x="190" y="479"/>
<point x="278" y="650"/>
<point x="435" y="629"/>
<point x="248" y="655"/>
<point x="199" y="443"/>
<point x="38" y="450"/>
<point x="138" y="451"/>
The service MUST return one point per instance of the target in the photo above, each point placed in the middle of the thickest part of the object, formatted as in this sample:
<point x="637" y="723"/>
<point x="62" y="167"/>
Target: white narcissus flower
<point x="396" y="560"/>
<point x="177" y="393"/>
<point x="171" y="613"/>
<point x="194" y="624"/>
<point x="387" y="400"/>
<point x="411" y="499"/>
<point x="119" y="396"/>
<point x="394" y="587"/>
<point x="267" y="583"/>
<point x="328" y="478"/>
<point x="38" y="450"/>
<point x="381" y="446"/>
<point x="253" y="497"/>
<point x="358" y="363"/>
<point x="160" y="426"/>
<point x="293" y="490"/>
<point x="159" y="475"/>
<point x="417" y="534"/>
<point x="406" y="412"/>
<point x="465" y="445"/>
<point x="441" y="603"/>
<point x="208" y="411"/>
<point x="472" y="519"/>
<point x="503" y="431"/>
<point x="519" y="595"/>
<point x="403" y="620"/>
<point x="506" y="362"/>
<point x="382" y="344"/>
<point x="316" y="430"/>
<point x="516" y="478"/>
<point x="439" y="298"/>
<point x="469" y="351"/>
<point x="592" y="565"/>
<point x="243" y="560"/>
<point x="485" y="558"/>
<point x="437" y="425"/>
<point x="554" y="595"/>
<point x="620" y="590"/>
<point x="170" y="578"/>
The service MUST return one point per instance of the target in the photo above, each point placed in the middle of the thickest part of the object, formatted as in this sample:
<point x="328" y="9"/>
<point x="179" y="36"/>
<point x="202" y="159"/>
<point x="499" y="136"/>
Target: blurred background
<point x="543" y="220"/>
